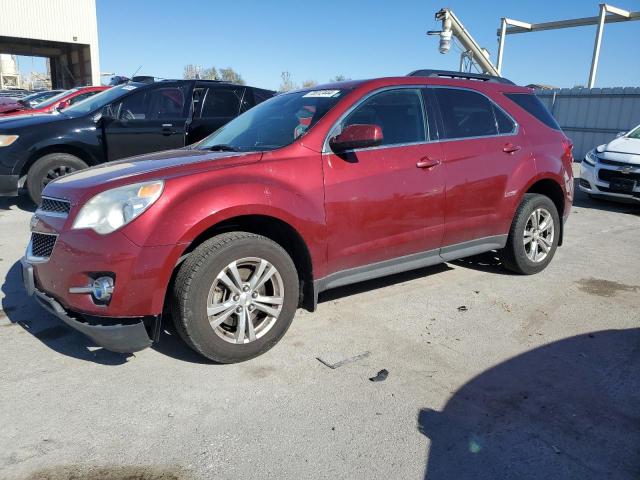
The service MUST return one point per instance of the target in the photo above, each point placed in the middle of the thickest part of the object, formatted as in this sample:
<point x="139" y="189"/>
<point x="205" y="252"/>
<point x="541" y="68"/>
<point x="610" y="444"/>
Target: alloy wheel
<point x="245" y="300"/>
<point x="538" y="235"/>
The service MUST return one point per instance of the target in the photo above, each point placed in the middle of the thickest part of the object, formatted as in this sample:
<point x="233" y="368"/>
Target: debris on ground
<point x="556" y="449"/>
<point x="339" y="364"/>
<point x="381" y="376"/>
<point x="462" y="308"/>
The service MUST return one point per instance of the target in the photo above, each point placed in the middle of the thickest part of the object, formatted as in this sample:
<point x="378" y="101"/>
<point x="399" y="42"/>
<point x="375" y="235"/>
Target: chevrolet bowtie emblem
<point x="626" y="170"/>
<point x="34" y="222"/>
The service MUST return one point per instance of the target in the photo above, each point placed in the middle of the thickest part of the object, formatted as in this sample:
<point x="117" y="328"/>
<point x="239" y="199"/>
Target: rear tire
<point x="218" y="288"/>
<point x="533" y="238"/>
<point x="47" y="168"/>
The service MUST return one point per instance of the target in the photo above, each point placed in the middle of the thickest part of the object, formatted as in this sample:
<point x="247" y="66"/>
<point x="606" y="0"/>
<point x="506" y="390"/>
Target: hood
<point x="623" y="149"/>
<point x="152" y="166"/>
<point x="26" y="120"/>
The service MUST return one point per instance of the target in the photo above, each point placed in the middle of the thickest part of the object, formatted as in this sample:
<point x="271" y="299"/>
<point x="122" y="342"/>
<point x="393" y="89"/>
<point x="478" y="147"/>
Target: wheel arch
<point x="74" y="150"/>
<point x="276" y="229"/>
<point x="550" y="188"/>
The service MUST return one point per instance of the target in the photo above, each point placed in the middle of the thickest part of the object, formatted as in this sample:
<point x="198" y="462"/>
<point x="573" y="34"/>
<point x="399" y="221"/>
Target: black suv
<point x="126" y="120"/>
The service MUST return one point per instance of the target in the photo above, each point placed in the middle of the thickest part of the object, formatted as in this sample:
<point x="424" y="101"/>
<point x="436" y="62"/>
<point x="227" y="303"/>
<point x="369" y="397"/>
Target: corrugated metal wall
<point x="591" y="117"/>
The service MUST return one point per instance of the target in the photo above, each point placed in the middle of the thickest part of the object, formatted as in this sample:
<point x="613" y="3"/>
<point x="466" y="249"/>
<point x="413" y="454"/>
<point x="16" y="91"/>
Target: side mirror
<point x="356" y="136"/>
<point x="62" y="105"/>
<point x="620" y="134"/>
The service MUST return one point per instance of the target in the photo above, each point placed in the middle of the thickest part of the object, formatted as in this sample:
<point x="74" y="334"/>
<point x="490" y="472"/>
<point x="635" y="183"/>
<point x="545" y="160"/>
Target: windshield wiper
<point x="222" y="147"/>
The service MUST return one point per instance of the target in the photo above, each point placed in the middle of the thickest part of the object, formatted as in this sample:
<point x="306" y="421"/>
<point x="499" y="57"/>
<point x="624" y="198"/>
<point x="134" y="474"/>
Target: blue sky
<point x="358" y="39"/>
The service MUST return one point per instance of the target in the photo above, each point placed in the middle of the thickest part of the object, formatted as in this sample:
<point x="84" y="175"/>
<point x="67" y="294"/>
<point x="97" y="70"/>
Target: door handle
<point x="511" y="148"/>
<point x="428" y="163"/>
<point x="167" y="129"/>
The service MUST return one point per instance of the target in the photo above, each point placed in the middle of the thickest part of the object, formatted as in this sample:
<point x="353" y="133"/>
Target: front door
<point x="388" y="201"/>
<point x="148" y="120"/>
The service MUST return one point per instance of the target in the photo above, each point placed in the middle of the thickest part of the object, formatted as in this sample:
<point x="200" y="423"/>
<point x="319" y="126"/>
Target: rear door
<point x="148" y="120"/>
<point x="483" y="149"/>
<point x="213" y="107"/>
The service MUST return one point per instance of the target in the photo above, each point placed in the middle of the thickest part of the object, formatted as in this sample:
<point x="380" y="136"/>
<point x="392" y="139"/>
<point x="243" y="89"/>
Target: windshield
<point x="273" y="124"/>
<point x="98" y="100"/>
<point x="56" y="98"/>
<point x="635" y="133"/>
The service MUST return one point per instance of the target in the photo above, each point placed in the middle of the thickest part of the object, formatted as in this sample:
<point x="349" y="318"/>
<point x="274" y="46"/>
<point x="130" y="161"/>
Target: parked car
<point x="36" y="98"/>
<point x="236" y="232"/>
<point x="8" y="104"/>
<point x="125" y="120"/>
<point x="612" y="170"/>
<point x="57" y="102"/>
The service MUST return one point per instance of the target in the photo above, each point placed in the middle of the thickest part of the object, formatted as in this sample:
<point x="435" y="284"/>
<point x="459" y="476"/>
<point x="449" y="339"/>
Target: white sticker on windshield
<point x="322" y="94"/>
<point x="129" y="87"/>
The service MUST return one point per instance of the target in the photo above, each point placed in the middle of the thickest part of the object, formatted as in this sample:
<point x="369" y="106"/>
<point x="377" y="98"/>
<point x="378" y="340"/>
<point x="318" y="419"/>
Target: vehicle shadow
<point x="24" y="311"/>
<point x="23" y="202"/>
<point x="569" y="409"/>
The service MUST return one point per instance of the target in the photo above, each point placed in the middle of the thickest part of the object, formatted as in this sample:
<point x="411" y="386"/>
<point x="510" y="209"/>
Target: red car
<point x="59" y="102"/>
<point x="236" y="232"/>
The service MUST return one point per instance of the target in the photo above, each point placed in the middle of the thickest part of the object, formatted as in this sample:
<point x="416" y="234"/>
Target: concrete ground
<point x="538" y="378"/>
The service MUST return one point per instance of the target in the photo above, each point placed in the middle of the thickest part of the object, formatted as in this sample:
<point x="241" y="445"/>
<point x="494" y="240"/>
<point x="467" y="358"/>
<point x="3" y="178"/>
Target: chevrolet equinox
<point x="310" y="190"/>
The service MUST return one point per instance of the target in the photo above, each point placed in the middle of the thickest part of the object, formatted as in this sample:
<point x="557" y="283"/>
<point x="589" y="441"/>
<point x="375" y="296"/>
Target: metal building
<point x="64" y="31"/>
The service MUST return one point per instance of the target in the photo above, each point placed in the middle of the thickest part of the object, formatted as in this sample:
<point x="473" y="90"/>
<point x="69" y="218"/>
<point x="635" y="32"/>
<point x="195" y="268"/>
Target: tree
<point x="210" y="74"/>
<point x="309" y="84"/>
<point x="287" y="83"/>
<point x="229" y="75"/>
<point x="192" y="72"/>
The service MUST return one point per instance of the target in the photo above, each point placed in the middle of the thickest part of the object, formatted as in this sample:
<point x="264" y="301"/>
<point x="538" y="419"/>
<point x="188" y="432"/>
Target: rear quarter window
<point x="535" y="107"/>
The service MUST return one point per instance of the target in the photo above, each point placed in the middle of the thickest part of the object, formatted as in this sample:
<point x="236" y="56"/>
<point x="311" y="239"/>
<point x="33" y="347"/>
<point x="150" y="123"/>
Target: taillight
<point x="567" y="154"/>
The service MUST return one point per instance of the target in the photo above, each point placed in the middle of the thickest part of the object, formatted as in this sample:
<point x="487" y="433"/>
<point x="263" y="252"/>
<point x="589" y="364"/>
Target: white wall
<point x="54" y="20"/>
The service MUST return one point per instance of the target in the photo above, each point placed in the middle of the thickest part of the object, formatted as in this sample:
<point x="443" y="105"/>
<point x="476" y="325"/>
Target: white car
<point x="613" y="169"/>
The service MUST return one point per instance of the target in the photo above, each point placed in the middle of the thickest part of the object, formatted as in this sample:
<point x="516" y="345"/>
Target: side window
<point x="166" y="103"/>
<point x="535" y="107"/>
<point x="222" y="102"/>
<point x="79" y="98"/>
<point x="198" y="95"/>
<point x="504" y="123"/>
<point x="398" y="112"/>
<point x="133" y="107"/>
<point x="153" y="104"/>
<point x="465" y="113"/>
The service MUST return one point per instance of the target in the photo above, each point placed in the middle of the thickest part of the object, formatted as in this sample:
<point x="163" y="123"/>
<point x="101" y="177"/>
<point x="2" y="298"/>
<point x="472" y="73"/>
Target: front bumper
<point x="9" y="185"/>
<point x="589" y="182"/>
<point x="118" y="337"/>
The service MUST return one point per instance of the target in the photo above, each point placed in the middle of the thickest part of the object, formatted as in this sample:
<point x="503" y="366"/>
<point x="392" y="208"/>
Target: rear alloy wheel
<point x="533" y="238"/>
<point x="235" y="296"/>
<point x="48" y="168"/>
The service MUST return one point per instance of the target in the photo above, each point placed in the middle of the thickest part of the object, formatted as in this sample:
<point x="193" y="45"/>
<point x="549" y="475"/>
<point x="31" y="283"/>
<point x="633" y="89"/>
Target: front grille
<point x="616" y="163"/>
<point x="55" y="205"/>
<point x="608" y="190"/>
<point x="607" y="175"/>
<point x="42" y="244"/>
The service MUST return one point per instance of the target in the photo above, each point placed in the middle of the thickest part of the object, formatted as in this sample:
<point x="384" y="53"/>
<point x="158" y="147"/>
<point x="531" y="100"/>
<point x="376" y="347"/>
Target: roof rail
<point x="464" y="75"/>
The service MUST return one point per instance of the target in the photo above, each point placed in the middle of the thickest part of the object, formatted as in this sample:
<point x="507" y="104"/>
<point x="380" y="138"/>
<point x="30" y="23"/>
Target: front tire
<point x="235" y="296"/>
<point x="48" y="168"/>
<point x="533" y="238"/>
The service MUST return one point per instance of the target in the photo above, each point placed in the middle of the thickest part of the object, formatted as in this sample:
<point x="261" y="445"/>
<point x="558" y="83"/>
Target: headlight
<point x="6" y="140"/>
<point x="112" y="209"/>
<point x="590" y="158"/>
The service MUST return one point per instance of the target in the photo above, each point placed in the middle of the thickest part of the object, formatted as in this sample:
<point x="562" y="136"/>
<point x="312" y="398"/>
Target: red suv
<point x="231" y="235"/>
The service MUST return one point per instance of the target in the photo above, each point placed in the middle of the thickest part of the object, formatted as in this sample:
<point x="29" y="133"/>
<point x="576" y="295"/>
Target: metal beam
<point x="574" y="22"/>
<point x="450" y="22"/>
<point x="596" y="46"/>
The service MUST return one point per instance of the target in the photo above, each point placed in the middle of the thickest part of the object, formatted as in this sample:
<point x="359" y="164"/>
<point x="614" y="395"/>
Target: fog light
<point x="102" y="288"/>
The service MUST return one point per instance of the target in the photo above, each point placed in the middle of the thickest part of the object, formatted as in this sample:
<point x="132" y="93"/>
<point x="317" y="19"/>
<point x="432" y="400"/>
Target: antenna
<point x="134" y="73"/>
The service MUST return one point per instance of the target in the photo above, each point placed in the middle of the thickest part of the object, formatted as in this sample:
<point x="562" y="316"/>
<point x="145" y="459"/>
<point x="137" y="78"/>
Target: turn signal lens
<point x="6" y="140"/>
